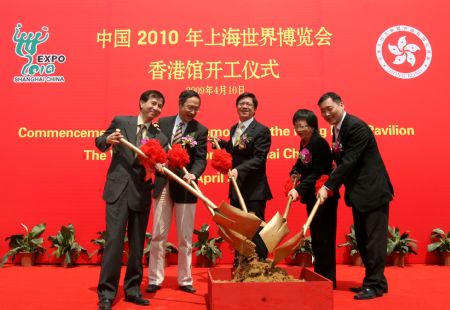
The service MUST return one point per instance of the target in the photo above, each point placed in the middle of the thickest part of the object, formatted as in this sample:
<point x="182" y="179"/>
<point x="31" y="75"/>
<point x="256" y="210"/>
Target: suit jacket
<point x="320" y="164"/>
<point x="250" y="162"/>
<point x="126" y="176"/>
<point x="197" y="156"/>
<point x="360" y="167"/>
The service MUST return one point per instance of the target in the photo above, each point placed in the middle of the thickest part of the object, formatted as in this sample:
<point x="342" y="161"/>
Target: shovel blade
<point x="274" y="231"/>
<point x="221" y="220"/>
<point x="246" y="224"/>
<point x="283" y="251"/>
<point x="239" y="242"/>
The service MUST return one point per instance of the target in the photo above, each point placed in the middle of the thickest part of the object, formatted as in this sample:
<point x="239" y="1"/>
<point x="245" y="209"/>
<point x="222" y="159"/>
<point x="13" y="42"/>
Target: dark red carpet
<point x="416" y="286"/>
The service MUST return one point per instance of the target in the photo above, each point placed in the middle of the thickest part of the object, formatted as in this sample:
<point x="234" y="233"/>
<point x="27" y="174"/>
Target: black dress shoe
<point x="138" y="300"/>
<point x="367" y="293"/>
<point x="188" y="288"/>
<point x="358" y="289"/>
<point x="152" y="288"/>
<point x="105" y="304"/>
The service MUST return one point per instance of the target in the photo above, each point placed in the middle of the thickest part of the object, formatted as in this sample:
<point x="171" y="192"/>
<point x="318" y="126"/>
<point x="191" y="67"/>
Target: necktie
<point x="336" y="133"/>
<point x="239" y="132"/>
<point x="141" y="134"/>
<point x="178" y="134"/>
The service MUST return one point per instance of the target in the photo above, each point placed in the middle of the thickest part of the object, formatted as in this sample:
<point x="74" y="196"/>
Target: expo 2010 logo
<point x="404" y="52"/>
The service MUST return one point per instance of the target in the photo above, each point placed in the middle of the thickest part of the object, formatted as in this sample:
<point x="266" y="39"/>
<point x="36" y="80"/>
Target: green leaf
<point x="37" y="230"/>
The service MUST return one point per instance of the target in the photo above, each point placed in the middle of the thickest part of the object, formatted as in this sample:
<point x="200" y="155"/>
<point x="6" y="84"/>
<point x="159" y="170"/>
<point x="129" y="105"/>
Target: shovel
<point x="229" y="224"/>
<point x="289" y="246"/>
<point x="276" y="229"/>
<point x="230" y="217"/>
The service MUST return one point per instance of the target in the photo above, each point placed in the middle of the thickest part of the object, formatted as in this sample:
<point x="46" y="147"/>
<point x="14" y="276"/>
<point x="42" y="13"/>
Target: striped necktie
<point x="141" y="134"/>
<point x="178" y="134"/>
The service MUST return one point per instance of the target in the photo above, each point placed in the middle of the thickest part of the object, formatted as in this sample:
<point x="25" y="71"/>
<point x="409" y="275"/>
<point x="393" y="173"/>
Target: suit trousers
<point x="162" y="218"/>
<point x="323" y="237"/>
<point x="371" y="236"/>
<point x="118" y="218"/>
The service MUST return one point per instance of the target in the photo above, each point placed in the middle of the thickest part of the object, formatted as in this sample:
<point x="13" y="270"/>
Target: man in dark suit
<point x="128" y="199"/>
<point x="170" y="196"/>
<point x="249" y="146"/>
<point x="368" y="190"/>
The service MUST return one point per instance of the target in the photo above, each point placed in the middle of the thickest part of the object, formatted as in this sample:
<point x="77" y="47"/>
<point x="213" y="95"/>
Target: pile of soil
<point x="254" y="270"/>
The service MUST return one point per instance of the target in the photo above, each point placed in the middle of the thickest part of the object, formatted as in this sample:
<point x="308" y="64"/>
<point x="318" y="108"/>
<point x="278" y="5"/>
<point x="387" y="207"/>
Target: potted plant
<point x="100" y="243"/>
<point x="440" y="243"/>
<point x="66" y="245"/>
<point x="399" y="245"/>
<point x="28" y="245"/>
<point x="207" y="248"/>
<point x="303" y="255"/>
<point x="352" y="247"/>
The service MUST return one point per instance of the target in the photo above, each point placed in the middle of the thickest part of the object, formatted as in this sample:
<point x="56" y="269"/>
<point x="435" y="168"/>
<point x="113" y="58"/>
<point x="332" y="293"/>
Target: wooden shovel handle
<point x="288" y="205"/>
<point x="182" y="182"/>
<point x="234" y="183"/>
<point x="133" y="147"/>
<point x="194" y="185"/>
<point x="238" y="192"/>
<point x="311" y="217"/>
<point x="189" y="188"/>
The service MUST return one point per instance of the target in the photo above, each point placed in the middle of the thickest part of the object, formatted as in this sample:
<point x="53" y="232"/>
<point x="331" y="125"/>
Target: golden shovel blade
<point x="283" y="251"/>
<point x="239" y="242"/>
<point x="246" y="224"/>
<point x="221" y="220"/>
<point x="274" y="231"/>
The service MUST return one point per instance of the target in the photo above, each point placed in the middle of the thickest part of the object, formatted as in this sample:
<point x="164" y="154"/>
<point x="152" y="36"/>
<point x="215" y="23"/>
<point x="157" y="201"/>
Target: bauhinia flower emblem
<point x="244" y="140"/>
<point x="305" y="156"/>
<point x="403" y="51"/>
<point x="188" y="141"/>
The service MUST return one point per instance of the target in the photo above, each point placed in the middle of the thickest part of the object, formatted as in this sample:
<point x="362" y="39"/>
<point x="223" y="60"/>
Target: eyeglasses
<point x="245" y="103"/>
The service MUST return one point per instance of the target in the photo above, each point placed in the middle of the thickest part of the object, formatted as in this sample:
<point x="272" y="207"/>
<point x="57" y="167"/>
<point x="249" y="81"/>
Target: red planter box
<point x="316" y="292"/>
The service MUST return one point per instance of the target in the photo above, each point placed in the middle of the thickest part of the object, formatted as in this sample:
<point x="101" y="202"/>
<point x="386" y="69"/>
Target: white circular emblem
<point x="403" y="52"/>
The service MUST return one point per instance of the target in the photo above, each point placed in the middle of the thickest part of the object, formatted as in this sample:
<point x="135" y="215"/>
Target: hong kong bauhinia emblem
<point x="403" y="52"/>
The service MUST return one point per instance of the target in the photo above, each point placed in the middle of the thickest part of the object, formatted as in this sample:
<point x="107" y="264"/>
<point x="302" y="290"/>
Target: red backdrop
<point x="96" y="58"/>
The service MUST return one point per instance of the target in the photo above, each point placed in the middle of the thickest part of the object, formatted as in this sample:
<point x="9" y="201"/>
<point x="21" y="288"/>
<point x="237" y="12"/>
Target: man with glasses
<point x="169" y="195"/>
<point x="249" y="146"/>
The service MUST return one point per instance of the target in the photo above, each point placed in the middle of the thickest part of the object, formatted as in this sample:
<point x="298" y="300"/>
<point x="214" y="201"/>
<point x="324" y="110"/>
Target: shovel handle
<point x="311" y="217"/>
<point x="189" y="188"/>
<point x="238" y="192"/>
<point x="182" y="182"/>
<point x="288" y="208"/>
<point x="133" y="147"/>
<point x="194" y="185"/>
<point x="288" y="205"/>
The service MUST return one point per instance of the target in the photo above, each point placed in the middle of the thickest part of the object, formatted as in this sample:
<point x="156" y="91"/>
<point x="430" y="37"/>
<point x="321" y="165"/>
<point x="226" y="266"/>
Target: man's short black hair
<point x="151" y="94"/>
<point x="250" y="95"/>
<point x="335" y="97"/>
